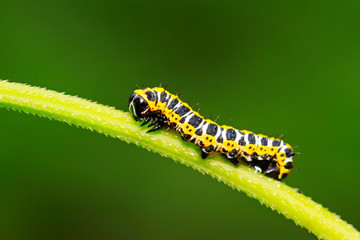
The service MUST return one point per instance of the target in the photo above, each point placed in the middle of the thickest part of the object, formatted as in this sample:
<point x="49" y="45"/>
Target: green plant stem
<point x="115" y="123"/>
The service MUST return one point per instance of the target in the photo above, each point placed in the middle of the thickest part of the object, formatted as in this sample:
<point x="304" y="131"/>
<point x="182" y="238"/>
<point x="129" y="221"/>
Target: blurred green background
<point x="276" y="67"/>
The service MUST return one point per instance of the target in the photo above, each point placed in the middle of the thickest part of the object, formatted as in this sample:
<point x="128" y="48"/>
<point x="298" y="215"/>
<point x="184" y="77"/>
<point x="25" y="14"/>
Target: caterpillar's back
<point x="271" y="156"/>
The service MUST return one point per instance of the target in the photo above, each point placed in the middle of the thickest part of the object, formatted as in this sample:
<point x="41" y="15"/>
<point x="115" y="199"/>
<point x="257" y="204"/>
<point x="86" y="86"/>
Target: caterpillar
<point x="268" y="155"/>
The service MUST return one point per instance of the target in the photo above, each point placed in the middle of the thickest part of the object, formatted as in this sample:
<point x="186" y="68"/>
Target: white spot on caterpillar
<point x="257" y="169"/>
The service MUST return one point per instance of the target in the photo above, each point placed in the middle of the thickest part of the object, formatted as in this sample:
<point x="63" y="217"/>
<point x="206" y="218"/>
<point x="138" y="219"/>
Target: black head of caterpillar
<point x="270" y="156"/>
<point x="142" y="111"/>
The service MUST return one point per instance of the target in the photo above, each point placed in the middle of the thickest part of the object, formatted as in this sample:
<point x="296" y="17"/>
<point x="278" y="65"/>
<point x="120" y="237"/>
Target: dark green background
<point x="272" y="67"/>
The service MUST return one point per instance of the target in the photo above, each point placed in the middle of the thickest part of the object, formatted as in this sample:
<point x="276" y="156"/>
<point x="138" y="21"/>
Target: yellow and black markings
<point x="271" y="156"/>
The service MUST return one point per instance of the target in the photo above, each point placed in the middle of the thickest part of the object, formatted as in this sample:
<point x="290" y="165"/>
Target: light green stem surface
<point x="115" y="123"/>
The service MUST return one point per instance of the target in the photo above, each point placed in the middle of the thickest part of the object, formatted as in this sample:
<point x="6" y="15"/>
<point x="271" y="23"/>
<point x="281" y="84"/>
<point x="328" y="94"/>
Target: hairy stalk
<point x="115" y="123"/>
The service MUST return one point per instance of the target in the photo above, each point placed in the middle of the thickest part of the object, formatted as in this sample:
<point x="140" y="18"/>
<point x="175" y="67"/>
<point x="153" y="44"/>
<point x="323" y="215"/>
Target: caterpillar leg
<point x="232" y="157"/>
<point x="147" y="119"/>
<point x="158" y="123"/>
<point x="234" y="161"/>
<point x="204" y="155"/>
<point x="205" y="151"/>
<point x="267" y="167"/>
<point x="157" y="127"/>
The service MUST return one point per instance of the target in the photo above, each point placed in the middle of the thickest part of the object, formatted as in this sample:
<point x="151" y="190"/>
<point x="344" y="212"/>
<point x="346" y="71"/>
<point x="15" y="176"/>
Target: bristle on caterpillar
<point x="268" y="155"/>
